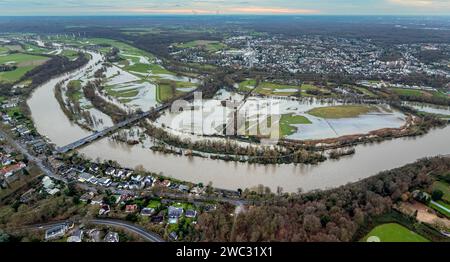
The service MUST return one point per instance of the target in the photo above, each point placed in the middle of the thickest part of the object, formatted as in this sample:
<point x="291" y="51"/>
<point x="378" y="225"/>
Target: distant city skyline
<point x="208" y="7"/>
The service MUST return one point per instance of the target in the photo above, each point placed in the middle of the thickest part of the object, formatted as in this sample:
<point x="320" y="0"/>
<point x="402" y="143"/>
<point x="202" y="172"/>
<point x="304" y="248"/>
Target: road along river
<point x="368" y="160"/>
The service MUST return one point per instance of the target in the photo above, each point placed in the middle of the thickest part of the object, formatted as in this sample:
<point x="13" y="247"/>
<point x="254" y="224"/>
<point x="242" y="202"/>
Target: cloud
<point x="226" y="10"/>
<point x="422" y="3"/>
<point x="165" y="11"/>
<point x="271" y="10"/>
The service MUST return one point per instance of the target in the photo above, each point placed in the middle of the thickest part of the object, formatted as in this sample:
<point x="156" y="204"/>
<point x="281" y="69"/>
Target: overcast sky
<point x="142" y="7"/>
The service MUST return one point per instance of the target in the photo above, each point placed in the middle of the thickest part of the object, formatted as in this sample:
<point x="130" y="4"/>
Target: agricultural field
<point x="409" y="92"/>
<point x="344" y="111"/>
<point x="7" y="48"/>
<point x="123" y="47"/>
<point x="122" y="93"/>
<point x="393" y="232"/>
<point x="419" y="93"/>
<point x="3" y="50"/>
<point x="34" y="49"/>
<point x="210" y="46"/>
<point x="19" y="58"/>
<point x="287" y="121"/>
<point x="167" y="89"/>
<point x="24" y="63"/>
<point x="275" y="89"/>
<point x="364" y="91"/>
<point x="147" y="68"/>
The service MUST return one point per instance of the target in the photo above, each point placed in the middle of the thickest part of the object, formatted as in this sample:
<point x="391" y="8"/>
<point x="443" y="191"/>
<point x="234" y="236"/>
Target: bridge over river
<point x="110" y="130"/>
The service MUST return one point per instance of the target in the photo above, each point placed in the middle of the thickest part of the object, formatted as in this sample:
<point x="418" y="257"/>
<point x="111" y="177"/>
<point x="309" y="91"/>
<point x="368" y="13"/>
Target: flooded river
<point x="368" y="160"/>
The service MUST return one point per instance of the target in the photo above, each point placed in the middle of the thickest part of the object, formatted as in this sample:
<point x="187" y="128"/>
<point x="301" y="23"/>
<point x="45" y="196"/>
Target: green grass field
<point x="3" y="49"/>
<point x="393" y="232"/>
<point x="13" y="76"/>
<point x="24" y="62"/>
<point x="145" y="68"/>
<point x="211" y="46"/>
<point x="364" y="91"/>
<point x="125" y="48"/>
<point x="123" y="93"/>
<point x="444" y="187"/>
<point x="286" y="122"/>
<point x="269" y="88"/>
<point x="344" y="111"/>
<point x="34" y="49"/>
<point x="410" y="92"/>
<point x="69" y="54"/>
<point x="19" y="58"/>
<point x="247" y="85"/>
<point x="164" y="91"/>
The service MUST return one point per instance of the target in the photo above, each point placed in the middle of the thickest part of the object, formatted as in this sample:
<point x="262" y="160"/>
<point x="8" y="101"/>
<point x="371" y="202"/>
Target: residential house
<point x="183" y="188"/>
<point x="9" y="171"/>
<point x="77" y="236"/>
<point x="131" y="208"/>
<point x="6" y="119"/>
<point x="137" y="178"/>
<point x="104" y="210"/>
<point x="197" y="190"/>
<point x="110" y="171"/>
<point x="98" y="200"/>
<point x="120" y="173"/>
<point x="191" y="213"/>
<point x="147" y="211"/>
<point x="128" y="173"/>
<point x="47" y="182"/>
<point x="88" y="196"/>
<point x="173" y="236"/>
<point x="164" y="183"/>
<point x="174" y="213"/>
<point x="112" y="237"/>
<point x="56" y="232"/>
<point x="158" y="218"/>
<point x="94" y="168"/>
<point x="93" y="180"/>
<point x="104" y="181"/>
<point x="84" y="177"/>
<point x="10" y="177"/>
<point x="94" y="235"/>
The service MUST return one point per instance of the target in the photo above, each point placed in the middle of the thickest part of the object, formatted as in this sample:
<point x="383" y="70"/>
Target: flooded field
<point x="209" y="117"/>
<point x="370" y="159"/>
<point x="428" y="108"/>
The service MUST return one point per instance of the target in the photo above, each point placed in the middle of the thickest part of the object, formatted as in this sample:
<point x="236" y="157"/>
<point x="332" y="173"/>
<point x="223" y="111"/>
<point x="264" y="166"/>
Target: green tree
<point x="437" y="195"/>
<point x="3" y="237"/>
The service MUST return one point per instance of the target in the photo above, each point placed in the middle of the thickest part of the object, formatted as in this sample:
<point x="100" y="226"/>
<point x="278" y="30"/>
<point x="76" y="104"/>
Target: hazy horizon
<point x="223" y="7"/>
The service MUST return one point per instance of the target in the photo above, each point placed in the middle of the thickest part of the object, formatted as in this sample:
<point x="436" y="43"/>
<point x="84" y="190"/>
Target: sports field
<point x="393" y="232"/>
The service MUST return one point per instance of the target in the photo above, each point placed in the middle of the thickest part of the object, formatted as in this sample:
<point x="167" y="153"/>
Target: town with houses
<point x="318" y="55"/>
